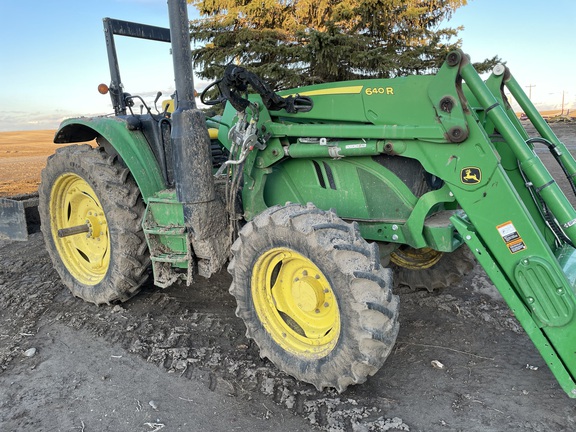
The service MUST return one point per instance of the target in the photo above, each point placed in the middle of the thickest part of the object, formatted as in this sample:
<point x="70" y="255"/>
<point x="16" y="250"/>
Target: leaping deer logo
<point x="471" y="175"/>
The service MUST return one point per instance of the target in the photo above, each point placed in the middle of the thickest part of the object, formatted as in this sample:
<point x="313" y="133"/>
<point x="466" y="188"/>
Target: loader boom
<point x="464" y="136"/>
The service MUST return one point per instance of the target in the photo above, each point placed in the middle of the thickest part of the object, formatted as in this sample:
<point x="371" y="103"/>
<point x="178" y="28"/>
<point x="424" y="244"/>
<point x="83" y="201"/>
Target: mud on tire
<point x="329" y="262"/>
<point x="80" y="185"/>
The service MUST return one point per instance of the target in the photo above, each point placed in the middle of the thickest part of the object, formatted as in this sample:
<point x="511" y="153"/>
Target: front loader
<point x="311" y="194"/>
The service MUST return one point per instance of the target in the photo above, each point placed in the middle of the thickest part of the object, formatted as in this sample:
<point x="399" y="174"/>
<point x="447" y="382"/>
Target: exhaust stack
<point x="204" y="215"/>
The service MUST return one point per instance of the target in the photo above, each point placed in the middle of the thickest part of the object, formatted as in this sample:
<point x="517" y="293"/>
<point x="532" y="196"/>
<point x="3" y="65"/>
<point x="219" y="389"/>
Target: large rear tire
<point x="84" y="189"/>
<point x="313" y="296"/>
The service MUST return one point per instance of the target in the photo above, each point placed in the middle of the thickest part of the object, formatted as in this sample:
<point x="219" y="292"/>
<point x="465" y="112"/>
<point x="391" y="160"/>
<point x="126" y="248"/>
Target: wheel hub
<point x="308" y="293"/>
<point x="415" y="259"/>
<point x="84" y="252"/>
<point x="96" y="224"/>
<point x="295" y="303"/>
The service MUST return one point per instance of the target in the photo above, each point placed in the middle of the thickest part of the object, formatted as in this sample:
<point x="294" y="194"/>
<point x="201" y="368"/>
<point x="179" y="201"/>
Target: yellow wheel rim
<point x="73" y="203"/>
<point x="295" y="303"/>
<point x="415" y="259"/>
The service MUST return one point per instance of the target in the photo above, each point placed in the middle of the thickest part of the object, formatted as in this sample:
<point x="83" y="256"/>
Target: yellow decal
<point x="471" y="175"/>
<point x="511" y="237"/>
<point x="333" y="91"/>
<point x="379" y="91"/>
<point x="517" y="246"/>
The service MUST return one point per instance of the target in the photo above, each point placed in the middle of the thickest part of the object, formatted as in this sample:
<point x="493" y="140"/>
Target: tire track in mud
<point x="193" y="332"/>
<point x="210" y="346"/>
<point x="189" y="331"/>
<point x="28" y="285"/>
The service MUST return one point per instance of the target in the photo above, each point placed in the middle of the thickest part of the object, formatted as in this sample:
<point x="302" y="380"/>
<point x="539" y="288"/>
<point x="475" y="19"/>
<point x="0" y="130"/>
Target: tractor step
<point x="167" y="239"/>
<point x="173" y="258"/>
<point x="167" y="231"/>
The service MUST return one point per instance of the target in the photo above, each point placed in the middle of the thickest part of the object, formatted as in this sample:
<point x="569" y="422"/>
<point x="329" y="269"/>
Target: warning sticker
<point x="516" y="246"/>
<point x="511" y="237"/>
<point x="508" y="232"/>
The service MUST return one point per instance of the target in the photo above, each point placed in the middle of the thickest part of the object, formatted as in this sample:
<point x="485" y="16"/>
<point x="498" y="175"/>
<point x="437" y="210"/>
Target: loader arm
<point x="491" y="191"/>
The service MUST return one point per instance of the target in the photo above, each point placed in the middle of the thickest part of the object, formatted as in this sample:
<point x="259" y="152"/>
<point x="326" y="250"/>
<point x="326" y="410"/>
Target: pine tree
<point x="292" y="43"/>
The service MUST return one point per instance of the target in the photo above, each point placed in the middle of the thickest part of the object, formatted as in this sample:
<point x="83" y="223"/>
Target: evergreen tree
<point x="292" y="43"/>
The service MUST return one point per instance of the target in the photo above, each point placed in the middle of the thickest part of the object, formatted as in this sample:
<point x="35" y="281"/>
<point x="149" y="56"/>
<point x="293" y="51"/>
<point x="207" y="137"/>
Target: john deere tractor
<point x="313" y="195"/>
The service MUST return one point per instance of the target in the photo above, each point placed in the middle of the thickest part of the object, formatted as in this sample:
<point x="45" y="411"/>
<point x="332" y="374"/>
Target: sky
<point x="53" y="53"/>
<point x="536" y="39"/>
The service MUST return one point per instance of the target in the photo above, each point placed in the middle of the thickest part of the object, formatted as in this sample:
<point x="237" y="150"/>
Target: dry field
<point x="22" y="157"/>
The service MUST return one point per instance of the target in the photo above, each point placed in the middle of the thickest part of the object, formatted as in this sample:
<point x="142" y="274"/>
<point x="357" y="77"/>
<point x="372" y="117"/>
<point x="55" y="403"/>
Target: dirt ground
<point x="177" y="360"/>
<point x="22" y="157"/>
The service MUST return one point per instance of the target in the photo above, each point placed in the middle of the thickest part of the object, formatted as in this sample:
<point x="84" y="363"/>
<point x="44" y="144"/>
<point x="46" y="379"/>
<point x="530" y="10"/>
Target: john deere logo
<point x="471" y="175"/>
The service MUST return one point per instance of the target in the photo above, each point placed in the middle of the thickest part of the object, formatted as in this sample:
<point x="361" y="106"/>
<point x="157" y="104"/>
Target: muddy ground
<point x="178" y="360"/>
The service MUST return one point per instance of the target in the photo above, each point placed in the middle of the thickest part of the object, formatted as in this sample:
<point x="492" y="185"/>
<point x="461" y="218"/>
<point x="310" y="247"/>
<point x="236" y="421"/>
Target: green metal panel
<point x="362" y="190"/>
<point x="354" y="187"/>
<point x="130" y="144"/>
<point x="543" y="288"/>
<point x="388" y="102"/>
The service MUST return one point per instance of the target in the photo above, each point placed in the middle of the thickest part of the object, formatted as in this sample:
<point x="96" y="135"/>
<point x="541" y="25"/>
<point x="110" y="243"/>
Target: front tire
<point x="313" y="296"/>
<point x="84" y="189"/>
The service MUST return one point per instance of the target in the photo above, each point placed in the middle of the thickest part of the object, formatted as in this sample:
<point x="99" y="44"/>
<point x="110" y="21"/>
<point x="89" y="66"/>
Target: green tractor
<point x="313" y="195"/>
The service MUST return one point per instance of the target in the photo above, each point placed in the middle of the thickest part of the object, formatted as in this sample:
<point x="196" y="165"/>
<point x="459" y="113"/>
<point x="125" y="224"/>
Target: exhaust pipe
<point x="204" y="216"/>
<point x="190" y="141"/>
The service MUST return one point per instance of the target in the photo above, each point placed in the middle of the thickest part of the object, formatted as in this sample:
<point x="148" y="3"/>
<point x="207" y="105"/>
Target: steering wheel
<point x="215" y="101"/>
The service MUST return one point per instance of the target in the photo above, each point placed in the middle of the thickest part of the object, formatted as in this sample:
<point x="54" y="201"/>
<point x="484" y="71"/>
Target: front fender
<point x="127" y="141"/>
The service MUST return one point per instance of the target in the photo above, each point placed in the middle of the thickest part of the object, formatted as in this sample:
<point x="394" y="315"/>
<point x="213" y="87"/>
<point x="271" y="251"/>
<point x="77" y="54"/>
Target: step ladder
<point x="167" y="239"/>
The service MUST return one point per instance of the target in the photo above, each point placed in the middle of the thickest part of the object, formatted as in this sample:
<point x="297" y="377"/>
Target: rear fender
<point x="125" y="139"/>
